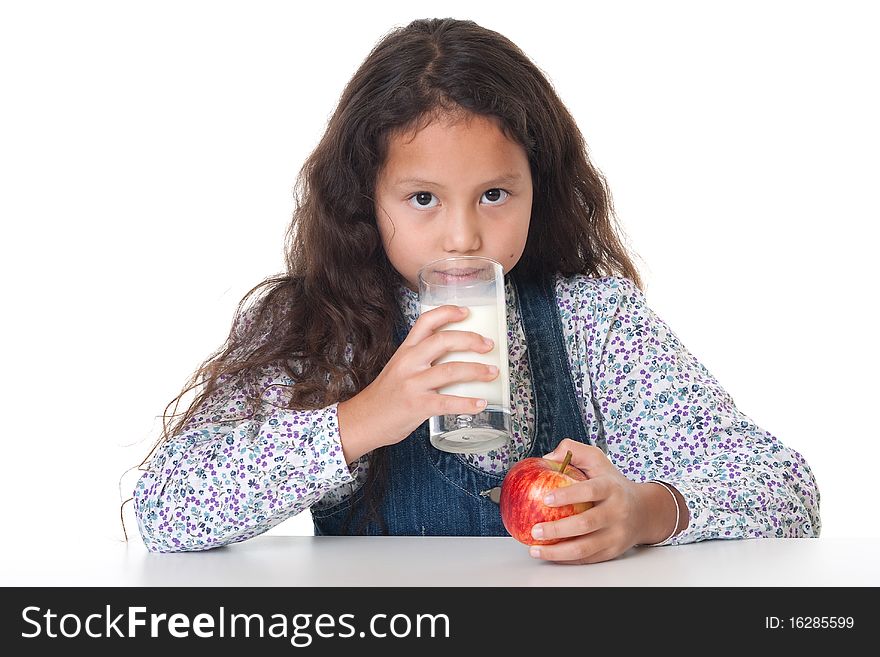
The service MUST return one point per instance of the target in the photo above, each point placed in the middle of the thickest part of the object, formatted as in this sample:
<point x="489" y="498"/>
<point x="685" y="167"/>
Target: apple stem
<point x="565" y="461"/>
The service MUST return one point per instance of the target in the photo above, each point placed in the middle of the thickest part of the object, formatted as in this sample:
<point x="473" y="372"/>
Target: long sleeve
<point x="666" y="417"/>
<point x="222" y="479"/>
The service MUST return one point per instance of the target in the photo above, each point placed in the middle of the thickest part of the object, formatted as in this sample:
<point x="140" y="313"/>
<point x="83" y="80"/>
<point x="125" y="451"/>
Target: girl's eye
<point x="492" y="193"/>
<point x="423" y="199"/>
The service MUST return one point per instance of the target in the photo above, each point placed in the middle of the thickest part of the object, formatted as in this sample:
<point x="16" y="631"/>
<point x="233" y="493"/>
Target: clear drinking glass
<point x="478" y="284"/>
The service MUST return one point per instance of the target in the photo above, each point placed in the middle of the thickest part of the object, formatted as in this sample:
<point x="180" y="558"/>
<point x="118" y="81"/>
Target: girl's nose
<point x="462" y="232"/>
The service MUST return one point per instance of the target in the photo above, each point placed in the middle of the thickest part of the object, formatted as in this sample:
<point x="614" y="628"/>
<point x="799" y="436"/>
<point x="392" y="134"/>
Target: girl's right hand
<point x="405" y="393"/>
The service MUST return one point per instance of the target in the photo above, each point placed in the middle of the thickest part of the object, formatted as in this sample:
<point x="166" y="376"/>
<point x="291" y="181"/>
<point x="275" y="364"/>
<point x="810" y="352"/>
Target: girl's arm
<point x="666" y="417"/>
<point x="223" y="480"/>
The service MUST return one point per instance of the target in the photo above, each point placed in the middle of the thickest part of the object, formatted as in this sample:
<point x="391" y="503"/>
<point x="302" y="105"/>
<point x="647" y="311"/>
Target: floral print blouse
<point x="222" y="479"/>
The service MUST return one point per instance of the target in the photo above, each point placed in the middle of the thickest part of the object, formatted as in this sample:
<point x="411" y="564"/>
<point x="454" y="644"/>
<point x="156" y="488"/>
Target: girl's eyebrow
<point x="503" y="178"/>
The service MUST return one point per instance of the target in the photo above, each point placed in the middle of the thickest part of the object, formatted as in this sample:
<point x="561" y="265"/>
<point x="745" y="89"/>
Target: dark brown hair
<point x="339" y="288"/>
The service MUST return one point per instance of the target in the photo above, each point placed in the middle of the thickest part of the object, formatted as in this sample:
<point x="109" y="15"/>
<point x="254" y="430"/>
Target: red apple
<point x="523" y="491"/>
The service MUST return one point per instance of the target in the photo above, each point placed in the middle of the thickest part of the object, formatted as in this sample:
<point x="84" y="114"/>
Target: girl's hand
<point x="405" y="393"/>
<point x="606" y="530"/>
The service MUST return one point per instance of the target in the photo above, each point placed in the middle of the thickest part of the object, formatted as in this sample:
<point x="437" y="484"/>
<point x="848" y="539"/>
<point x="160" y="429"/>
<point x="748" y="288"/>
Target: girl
<point x="449" y="141"/>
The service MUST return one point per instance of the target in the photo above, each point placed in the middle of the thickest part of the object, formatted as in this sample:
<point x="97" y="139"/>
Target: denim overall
<point x="436" y="493"/>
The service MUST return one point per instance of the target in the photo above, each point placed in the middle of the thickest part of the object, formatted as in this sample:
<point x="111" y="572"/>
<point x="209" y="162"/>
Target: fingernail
<point x="482" y="403"/>
<point x="547" y="456"/>
<point x="549" y="499"/>
<point x="493" y="369"/>
<point x="489" y="343"/>
<point x="537" y="531"/>
<point x="535" y="552"/>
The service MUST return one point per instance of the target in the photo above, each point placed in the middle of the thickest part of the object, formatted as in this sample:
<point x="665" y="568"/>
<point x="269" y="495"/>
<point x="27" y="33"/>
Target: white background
<point x="148" y="153"/>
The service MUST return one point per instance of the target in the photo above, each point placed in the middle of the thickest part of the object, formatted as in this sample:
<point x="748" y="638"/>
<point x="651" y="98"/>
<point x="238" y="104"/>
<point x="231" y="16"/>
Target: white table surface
<point x="440" y="561"/>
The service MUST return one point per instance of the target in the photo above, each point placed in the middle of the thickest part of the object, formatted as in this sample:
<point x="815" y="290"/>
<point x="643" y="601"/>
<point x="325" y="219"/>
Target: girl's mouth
<point x="458" y="274"/>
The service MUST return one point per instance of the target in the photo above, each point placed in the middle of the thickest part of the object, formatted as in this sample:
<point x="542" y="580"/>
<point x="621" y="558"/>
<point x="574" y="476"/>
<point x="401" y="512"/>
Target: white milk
<point x="488" y="322"/>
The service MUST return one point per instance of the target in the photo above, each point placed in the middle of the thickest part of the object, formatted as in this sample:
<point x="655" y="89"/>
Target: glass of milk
<point x="478" y="284"/>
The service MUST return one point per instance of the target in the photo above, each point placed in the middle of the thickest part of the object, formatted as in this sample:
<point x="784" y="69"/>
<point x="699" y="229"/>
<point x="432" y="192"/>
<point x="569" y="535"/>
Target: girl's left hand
<point x="604" y="531"/>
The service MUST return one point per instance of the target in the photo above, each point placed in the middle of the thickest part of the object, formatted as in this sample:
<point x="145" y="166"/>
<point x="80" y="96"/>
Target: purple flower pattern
<point x="233" y="472"/>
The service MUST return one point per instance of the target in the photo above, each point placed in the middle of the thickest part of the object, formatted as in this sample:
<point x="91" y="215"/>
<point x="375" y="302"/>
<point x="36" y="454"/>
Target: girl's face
<point x="456" y="188"/>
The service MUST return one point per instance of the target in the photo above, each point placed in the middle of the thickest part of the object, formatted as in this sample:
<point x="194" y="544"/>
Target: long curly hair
<point x="331" y="316"/>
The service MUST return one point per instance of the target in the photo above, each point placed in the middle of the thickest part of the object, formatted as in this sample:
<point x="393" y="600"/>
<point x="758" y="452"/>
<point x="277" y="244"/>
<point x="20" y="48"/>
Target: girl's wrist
<point x="363" y="426"/>
<point x="354" y="429"/>
<point x="664" y="513"/>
